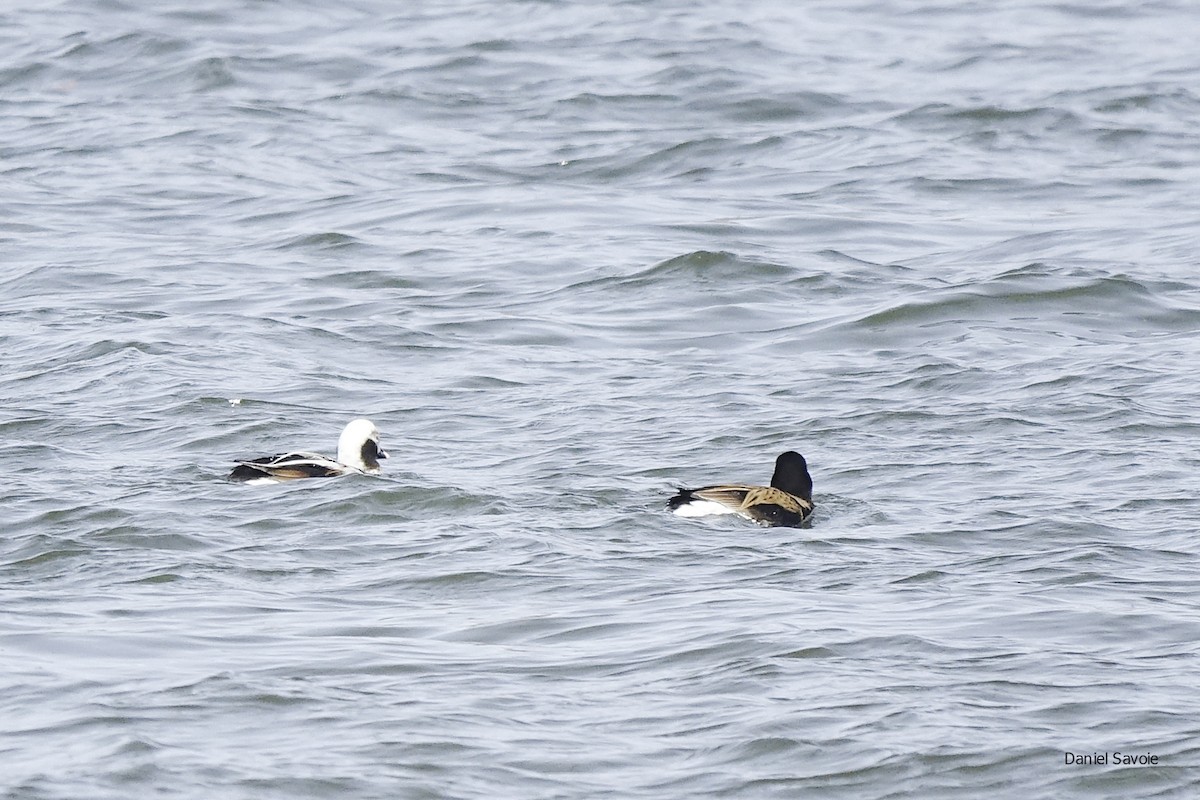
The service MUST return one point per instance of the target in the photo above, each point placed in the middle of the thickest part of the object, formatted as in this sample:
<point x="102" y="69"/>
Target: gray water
<point x="569" y="256"/>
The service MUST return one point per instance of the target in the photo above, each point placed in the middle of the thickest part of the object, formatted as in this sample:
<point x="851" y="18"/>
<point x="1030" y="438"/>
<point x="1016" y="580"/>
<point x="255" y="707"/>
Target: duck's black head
<point x="791" y="475"/>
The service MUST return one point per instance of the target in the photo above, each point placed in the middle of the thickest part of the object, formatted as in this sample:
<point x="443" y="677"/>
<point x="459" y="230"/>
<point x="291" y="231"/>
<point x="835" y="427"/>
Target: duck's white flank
<point x="263" y="481"/>
<point x="702" y="508"/>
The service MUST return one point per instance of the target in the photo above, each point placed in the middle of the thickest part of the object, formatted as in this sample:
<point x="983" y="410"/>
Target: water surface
<point x="569" y="257"/>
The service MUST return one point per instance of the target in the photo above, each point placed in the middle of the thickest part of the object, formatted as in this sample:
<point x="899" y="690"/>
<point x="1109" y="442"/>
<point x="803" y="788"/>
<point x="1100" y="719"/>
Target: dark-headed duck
<point x="786" y="502"/>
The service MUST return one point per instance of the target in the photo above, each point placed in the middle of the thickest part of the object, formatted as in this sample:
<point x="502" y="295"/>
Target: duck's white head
<point x="358" y="446"/>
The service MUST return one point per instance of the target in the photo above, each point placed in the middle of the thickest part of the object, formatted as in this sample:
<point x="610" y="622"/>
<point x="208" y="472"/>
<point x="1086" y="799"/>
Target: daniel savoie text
<point x="1113" y="759"/>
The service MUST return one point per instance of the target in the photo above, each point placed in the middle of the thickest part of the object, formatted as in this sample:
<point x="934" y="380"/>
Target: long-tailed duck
<point x="358" y="452"/>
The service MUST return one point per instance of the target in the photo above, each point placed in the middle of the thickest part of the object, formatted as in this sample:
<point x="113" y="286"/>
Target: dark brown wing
<point x="286" y="467"/>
